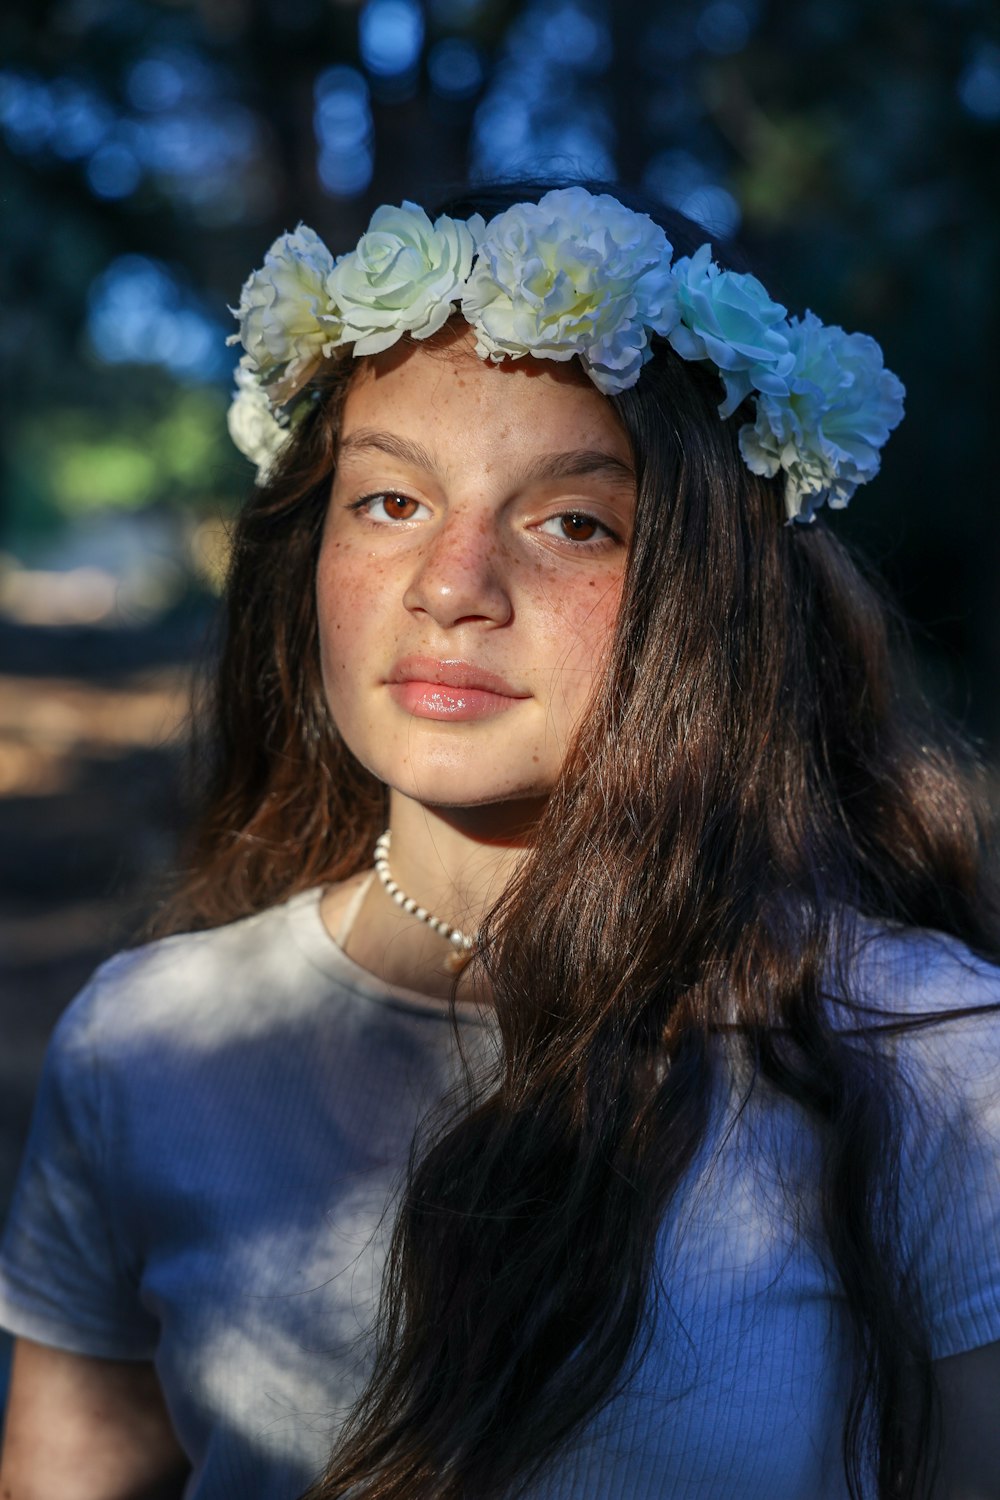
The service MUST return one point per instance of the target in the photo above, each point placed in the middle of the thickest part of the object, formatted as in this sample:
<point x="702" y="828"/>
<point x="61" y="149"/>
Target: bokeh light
<point x="81" y="119"/>
<point x="543" y="110"/>
<point x="576" y="35"/>
<point x="26" y="111"/>
<point x="196" y="145"/>
<point x="680" y="180"/>
<point x="455" y="68"/>
<point x="979" y="85"/>
<point x="390" y="37"/>
<point x="724" y="26"/>
<point x="342" y="120"/>
<point x="156" y="82"/>
<point x="139" y="313"/>
<point x="114" y="170"/>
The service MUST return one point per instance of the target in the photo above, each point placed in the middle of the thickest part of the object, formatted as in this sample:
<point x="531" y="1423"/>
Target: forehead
<point x="444" y="395"/>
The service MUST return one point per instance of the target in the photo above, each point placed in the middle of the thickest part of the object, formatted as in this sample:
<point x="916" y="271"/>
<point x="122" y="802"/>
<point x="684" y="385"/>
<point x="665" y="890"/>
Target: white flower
<point x="827" y="432"/>
<point x="574" y="274"/>
<point x="286" y="317"/>
<point x="252" y="423"/>
<point x="404" y="276"/>
<point x="727" y="317"/>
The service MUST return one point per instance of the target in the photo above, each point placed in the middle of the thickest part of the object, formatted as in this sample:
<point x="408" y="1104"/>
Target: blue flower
<point x="826" y="433"/>
<point x="728" y="318"/>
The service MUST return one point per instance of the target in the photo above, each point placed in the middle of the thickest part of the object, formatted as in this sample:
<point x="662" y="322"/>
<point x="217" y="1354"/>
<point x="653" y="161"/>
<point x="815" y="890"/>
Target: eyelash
<point x="591" y="543"/>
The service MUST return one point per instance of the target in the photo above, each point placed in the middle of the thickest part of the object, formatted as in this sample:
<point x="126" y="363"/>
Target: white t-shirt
<point x="222" y="1123"/>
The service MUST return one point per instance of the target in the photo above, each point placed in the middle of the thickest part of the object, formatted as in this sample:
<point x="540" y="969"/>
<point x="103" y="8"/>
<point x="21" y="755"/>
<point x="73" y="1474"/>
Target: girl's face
<point x="471" y="569"/>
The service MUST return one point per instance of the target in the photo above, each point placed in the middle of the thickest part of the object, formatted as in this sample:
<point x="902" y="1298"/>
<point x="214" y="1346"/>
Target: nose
<point x="460" y="575"/>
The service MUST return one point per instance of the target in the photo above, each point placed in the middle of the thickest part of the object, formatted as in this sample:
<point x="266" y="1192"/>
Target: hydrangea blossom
<point x="574" y="274"/>
<point x="827" y="432"/>
<point x="286" y="317"/>
<point x="727" y="317"/>
<point x="254" y="427"/>
<point x="404" y="277"/>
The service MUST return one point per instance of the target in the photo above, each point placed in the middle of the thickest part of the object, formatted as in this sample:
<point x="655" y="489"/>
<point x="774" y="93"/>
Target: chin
<point x="459" y="781"/>
<point x="455" y="769"/>
<point x="462" y="791"/>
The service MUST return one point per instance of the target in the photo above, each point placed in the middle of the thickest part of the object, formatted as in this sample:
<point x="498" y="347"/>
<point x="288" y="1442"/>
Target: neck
<point x="458" y="861"/>
<point x="453" y="862"/>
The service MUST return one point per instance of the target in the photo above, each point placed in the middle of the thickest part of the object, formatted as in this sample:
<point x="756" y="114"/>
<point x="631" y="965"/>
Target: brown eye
<point x="577" y="527"/>
<point x="398" y="507"/>
<point x="385" y="508"/>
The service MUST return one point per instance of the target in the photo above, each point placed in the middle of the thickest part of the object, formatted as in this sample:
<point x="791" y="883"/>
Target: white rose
<point x="728" y="318"/>
<point x="404" y="277"/>
<point x="826" y="433"/>
<point x="574" y="274"/>
<point x="252" y="423"/>
<point x="286" y="317"/>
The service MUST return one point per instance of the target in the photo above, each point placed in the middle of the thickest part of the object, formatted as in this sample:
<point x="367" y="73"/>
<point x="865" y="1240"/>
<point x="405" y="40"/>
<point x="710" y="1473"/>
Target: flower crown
<point x="578" y="274"/>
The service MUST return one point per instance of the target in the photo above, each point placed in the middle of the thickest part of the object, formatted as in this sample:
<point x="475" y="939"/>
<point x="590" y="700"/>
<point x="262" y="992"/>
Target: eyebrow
<point x="574" y="464"/>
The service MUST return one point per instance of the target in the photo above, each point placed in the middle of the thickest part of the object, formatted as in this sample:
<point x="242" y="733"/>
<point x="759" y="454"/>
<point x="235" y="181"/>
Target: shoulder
<point x="932" y="1006"/>
<point x="239" y="977"/>
<point x="912" y="975"/>
<point x="936" y="1009"/>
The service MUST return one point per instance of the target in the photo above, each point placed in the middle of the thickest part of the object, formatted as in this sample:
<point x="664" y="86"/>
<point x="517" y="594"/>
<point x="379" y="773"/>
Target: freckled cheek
<point x="353" y="615"/>
<point x="572" y="641"/>
<point x="582" y="617"/>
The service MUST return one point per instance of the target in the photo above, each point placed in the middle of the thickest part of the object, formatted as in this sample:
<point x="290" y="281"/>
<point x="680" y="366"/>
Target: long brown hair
<point x="755" y="764"/>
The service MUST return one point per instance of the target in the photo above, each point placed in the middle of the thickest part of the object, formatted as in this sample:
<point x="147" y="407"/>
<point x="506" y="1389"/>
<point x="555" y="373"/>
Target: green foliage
<point x="67" y="461"/>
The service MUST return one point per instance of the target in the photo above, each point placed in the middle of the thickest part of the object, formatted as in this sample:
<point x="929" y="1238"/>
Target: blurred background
<point x="150" y="150"/>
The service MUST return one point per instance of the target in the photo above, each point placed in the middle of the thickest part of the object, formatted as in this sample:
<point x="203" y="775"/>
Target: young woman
<point x="575" y="1069"/>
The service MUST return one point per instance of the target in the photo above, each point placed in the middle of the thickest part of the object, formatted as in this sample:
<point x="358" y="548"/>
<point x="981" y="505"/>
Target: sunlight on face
<point x="471" y="568"/>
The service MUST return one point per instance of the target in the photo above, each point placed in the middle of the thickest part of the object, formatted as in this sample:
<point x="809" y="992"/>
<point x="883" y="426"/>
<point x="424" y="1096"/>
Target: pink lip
<point x="449" y="691"/>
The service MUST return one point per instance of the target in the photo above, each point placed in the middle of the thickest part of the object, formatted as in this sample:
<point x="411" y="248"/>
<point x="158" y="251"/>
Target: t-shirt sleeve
<point x="66" y="1279"/>
<point x="951" y="1169"/>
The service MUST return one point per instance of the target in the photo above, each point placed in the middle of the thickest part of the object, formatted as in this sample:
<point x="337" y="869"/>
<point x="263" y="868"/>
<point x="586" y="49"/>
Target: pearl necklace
<point x="462" y="943"/>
